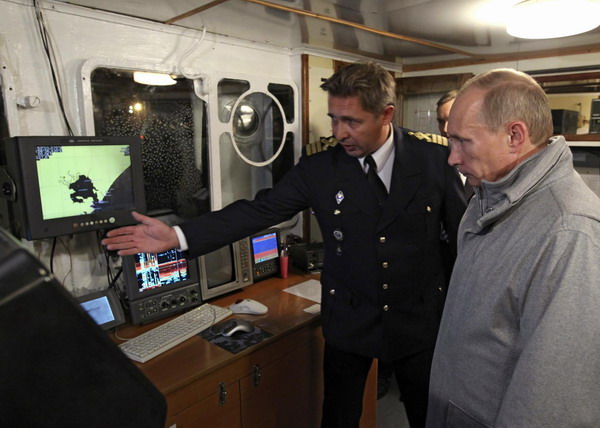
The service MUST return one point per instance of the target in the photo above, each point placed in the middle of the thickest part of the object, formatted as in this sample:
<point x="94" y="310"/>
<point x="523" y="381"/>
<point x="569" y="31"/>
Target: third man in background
<point x="444" y="105"/>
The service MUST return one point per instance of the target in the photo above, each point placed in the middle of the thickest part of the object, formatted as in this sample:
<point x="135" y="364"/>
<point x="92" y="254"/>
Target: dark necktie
<point x="375" y="182"/>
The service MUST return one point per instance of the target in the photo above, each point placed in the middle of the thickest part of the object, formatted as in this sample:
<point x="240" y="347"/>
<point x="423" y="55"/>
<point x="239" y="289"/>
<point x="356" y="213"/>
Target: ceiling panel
<point x="400" y="31"/>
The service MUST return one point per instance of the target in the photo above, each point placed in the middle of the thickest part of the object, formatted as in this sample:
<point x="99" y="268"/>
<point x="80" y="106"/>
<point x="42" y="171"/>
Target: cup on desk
<point x="283" y="264"/>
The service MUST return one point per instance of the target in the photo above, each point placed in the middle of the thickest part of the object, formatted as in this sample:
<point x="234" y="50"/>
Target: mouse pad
<point x="236" y="343"/>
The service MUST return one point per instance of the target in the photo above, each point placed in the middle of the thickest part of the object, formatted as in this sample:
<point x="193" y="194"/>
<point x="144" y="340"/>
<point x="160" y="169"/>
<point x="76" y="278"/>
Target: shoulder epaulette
<point x="430" y="138"/>
<point x="318" y="146"/>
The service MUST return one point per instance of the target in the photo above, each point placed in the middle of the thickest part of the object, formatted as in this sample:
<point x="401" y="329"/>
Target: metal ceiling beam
<point x="488" y="59"/>
<point x="473" y="59"/>
<point x="195" y="11"/>
<point x="361" y="27"/>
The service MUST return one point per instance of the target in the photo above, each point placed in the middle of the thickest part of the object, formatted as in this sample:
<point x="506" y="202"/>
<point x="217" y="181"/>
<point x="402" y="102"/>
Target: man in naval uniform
<point x="383" y="283"/>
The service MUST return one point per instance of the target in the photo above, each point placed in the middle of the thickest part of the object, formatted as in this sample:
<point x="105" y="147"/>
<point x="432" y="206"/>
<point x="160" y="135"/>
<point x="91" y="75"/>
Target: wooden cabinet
<point x="285" y="392"/>
<point x="211" y="411"/>
<point x="276" y="383"/>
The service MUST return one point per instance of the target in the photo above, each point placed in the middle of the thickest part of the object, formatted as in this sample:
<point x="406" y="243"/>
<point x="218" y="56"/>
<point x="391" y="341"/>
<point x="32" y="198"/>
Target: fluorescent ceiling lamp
<point x="548" y="19"/>
<point x="154" y="79"/>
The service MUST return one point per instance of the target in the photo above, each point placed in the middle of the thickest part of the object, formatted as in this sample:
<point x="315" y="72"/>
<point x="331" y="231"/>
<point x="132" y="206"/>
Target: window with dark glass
<point x="172" y="124"/>
<point x="257" y="152"/>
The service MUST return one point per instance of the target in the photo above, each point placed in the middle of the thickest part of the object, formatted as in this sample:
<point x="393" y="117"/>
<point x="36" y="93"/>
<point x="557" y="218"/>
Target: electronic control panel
<point x="245" y="264"/>
<point x="163" y="305"/>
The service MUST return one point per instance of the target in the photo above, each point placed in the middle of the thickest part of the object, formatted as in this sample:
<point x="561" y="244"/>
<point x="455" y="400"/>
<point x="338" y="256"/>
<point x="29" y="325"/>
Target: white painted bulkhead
<point x="83" y="39"/>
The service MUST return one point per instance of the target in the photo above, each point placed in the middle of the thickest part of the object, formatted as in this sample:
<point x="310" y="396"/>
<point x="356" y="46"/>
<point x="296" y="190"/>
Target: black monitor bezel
<point x="20" y="154"/>
<point x="113" y="301"/>
<point x="131" y="284"/>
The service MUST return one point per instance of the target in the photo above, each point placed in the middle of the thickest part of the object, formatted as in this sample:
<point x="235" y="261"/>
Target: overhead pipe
<point x="328" y="19"/>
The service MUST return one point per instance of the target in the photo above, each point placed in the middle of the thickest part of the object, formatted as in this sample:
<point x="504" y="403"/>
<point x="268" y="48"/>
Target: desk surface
<point x="188" y="370"/>
<point x="196" y="357"/>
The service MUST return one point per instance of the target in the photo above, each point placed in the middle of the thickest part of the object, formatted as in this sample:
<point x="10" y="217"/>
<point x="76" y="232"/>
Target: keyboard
<point x="162" y="338"/>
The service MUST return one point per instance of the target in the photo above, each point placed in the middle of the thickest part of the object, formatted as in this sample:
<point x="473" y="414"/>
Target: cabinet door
<point x="287" y="392"/>
<point x="210" y="412"/>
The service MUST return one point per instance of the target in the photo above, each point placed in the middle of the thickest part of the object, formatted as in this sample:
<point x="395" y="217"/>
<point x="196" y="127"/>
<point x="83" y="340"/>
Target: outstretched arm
<point x="150" y="236"/>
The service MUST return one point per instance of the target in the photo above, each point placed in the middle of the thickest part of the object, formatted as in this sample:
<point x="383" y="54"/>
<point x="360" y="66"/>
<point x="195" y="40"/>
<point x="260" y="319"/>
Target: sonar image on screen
<point x="265" y="248"/>
<point x="157" y="270"/>
<point x="79" y="180"/>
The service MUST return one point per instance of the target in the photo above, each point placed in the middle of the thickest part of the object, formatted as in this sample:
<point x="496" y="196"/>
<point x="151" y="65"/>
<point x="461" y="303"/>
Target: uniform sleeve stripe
<point x="430" y="138"/>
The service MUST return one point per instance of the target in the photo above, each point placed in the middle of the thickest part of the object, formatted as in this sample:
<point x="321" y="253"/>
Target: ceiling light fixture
<point x="154" y="79"/>
<point x="548" y="19"/>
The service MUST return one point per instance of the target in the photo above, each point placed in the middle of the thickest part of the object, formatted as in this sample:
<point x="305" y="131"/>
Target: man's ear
<point x="388" y="114"/>
<point x="517" y="134"/>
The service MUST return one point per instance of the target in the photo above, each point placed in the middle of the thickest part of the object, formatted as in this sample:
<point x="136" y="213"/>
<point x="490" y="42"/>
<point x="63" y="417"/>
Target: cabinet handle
<point x="222" y="394"/>
<point x="257" y="374"/>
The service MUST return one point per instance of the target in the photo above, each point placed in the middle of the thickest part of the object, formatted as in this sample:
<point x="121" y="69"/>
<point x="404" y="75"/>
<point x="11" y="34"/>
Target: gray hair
<point x="513" y="95"/>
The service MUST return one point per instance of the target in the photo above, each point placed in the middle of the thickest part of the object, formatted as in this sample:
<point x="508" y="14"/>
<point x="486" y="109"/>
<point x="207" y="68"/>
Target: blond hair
<point x="370" y="82"/>
<point x="447" y="97"/>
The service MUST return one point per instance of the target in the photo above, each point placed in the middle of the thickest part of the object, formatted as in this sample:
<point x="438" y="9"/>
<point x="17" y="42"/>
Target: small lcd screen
<point x="265" y="247"/>
<point x="220" y="267"/>
<point x="79" y="180"/>
<point x="161" y="269"/>
<point x="99" y="309"/>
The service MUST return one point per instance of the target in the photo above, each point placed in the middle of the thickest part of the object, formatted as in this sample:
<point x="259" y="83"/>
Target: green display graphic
<point x="79" y="180"/>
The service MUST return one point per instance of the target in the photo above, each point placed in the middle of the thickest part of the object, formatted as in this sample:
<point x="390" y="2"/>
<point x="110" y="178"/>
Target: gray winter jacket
<point x="519" y="344"/>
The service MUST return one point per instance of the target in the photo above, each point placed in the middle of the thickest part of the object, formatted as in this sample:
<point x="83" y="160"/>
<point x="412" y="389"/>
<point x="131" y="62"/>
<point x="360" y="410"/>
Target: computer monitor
<point x="63" y="185"/>
<point x="104" y="307"/>
<point x="58" y="367"/>
<point x="225" y="270"/>
<point x="265" y="254"/>
<point x="160" y="284"/>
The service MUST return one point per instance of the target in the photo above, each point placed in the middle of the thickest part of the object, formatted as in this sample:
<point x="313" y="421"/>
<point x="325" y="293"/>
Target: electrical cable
<point x="52" y="255"/>
<point x="188" y="53"/>
<point x="109" y="276"/>
<point x="124" y="339"/>
<point x="113" y="284"/>
<point x="204" y="78"/>
<point x="50" y="55"/>
<point x="70" y="261"/>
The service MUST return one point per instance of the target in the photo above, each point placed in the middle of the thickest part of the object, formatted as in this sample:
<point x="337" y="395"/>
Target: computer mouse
<point x="248" y="306"/>
<point x="234" y="325"/>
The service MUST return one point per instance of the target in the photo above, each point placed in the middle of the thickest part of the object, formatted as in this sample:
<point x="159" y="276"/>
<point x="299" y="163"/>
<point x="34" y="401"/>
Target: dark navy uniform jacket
<point x="384" y="282"/>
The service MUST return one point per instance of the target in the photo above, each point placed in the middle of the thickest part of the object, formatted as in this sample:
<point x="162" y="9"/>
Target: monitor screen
<point x="265" y="254"/>
<point x="160" y="284"/>
<point x="222" y="267"/>
<point x="226" y="269"/>
<point x="78" y="180"/>
<point x="104" y="307"/>
<point x="66" y="185"/>
<point x="265" y="247"/>
<point x="151" y="273"/>
<point x="99" y="310"/>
